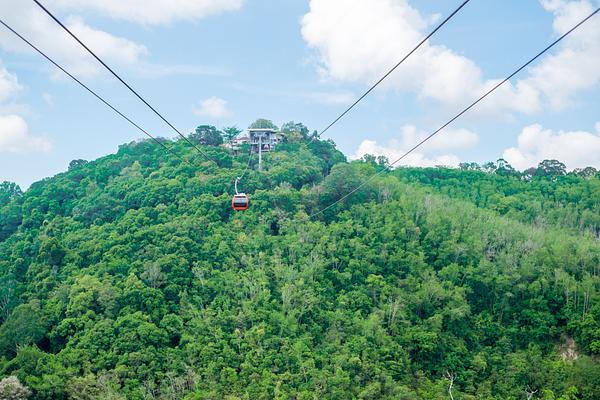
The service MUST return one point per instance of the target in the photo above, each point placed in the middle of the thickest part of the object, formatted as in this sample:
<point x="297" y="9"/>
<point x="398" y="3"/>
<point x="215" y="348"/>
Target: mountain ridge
<point x="131" y="277"/>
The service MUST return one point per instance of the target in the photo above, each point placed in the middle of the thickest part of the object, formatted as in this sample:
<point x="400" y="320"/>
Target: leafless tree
<point x="149" y="390"/>
<point x="4" y="304"/>
<point x="152" y="275"/>
<point x="394" y="305"/>
<point x="12" y="389"/>
<point x="530" y="393"/>
<point x="451" y="377"/>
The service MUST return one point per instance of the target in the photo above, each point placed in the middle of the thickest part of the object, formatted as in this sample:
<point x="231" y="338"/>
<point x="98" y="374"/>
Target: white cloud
<point x="577" y="149"/>
<point x="15" y="138"/>
<point x="349" y="52"/>
<point x="434" y="152"/>
<point x="576" y="66"/>
<point x="415" y="159"/>
<point x="213" y="107"/>
<point x="36" y="26"/>
<point x="106" y="45"/>
<point x="152" y="12"/>
<point x="8" y="84"/>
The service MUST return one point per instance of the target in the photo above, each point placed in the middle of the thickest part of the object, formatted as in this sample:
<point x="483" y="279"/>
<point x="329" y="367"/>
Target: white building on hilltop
<point x="267" y="139"/>
<point x="260" y="140"/>
<point x="263" y="139"/>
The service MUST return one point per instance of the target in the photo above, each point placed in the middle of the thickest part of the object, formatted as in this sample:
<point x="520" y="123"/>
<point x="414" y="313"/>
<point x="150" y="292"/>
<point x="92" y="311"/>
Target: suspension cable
<point x="438" y="27"/>
<point x="96" y="95"/>
<point x="239" y="178"/>
<point x="247" y="165"/>
<point x="473" y="104"/>
<point x="123" y="82"/>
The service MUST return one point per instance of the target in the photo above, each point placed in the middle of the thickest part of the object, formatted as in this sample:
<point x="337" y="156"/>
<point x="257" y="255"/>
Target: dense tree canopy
<point x="130" y="277"/>
<point x="230" y="132"/>
<point x="9" y="191"/>
<point x="207" y="135"/>
<point x="294" y="131"/>
<point x="263" y="123"/>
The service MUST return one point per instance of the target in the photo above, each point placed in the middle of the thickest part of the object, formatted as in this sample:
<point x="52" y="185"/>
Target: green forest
<point x="131" y="277"/>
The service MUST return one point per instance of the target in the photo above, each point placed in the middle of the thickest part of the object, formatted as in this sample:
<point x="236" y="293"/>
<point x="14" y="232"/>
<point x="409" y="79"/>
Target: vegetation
<point x="547" y="197"/>
<point x="262" y="123"/>
<point x="130" y="277"/>
<point x="230" y="133"/>
<point x="208" y="135"/>
<point x="12" y="389"/>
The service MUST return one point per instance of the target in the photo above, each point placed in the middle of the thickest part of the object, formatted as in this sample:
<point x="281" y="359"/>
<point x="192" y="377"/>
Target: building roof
<point x="262" y="130"/>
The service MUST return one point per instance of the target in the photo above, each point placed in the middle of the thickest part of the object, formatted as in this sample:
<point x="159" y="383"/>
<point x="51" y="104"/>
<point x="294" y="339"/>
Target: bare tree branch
<point x="530" y="393"/>
<point x="450" y="376"/>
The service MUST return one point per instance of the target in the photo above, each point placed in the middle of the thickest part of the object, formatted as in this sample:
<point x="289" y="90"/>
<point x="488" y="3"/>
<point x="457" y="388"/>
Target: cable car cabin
<point x="239" y="202"/>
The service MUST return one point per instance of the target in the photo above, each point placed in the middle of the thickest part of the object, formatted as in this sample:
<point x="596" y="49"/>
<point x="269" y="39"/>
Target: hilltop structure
<point x="264" y="140"/>
<point x="260" y="140"/>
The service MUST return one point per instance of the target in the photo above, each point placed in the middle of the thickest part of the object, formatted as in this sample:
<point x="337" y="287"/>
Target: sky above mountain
<point x="229" y="62"/>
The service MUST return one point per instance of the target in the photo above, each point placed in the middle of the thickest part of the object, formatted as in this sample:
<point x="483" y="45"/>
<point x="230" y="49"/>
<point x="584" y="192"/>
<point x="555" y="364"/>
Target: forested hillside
<point x="130" y="277"/>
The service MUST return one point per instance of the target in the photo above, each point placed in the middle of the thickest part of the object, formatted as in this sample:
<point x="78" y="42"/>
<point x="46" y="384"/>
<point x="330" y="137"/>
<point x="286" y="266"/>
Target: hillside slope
<point x="130" y="277"/>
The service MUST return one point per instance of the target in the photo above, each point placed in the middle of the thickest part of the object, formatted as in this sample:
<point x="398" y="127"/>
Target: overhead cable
<point x="422" y="42"/>
<point x="96" y="95"/>
<point x="123" y="81"/>
<point x="473" y="104"/>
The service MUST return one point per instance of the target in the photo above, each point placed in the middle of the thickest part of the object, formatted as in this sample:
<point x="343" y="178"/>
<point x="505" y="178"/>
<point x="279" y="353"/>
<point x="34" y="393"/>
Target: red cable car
<point x="239" y="202"/>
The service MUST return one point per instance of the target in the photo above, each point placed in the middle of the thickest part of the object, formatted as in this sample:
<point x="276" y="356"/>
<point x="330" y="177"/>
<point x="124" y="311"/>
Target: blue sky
<point x="228" y="62"/>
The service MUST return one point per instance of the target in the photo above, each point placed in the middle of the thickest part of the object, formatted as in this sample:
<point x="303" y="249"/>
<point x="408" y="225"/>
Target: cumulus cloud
<point x="15" y="138"/>
<point x="151" y="12"/>
<point x="14" y="135"/>
<point x="348" y="53"/>
<point x="213" y="107"/>
<point x="9" y="84"/>
<point x="36" y="26"/>
<point x="105" y="44"/>
<point x="577" y="149"/>
<point x="576" y="66"/>
<point x="435" y="152"/>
